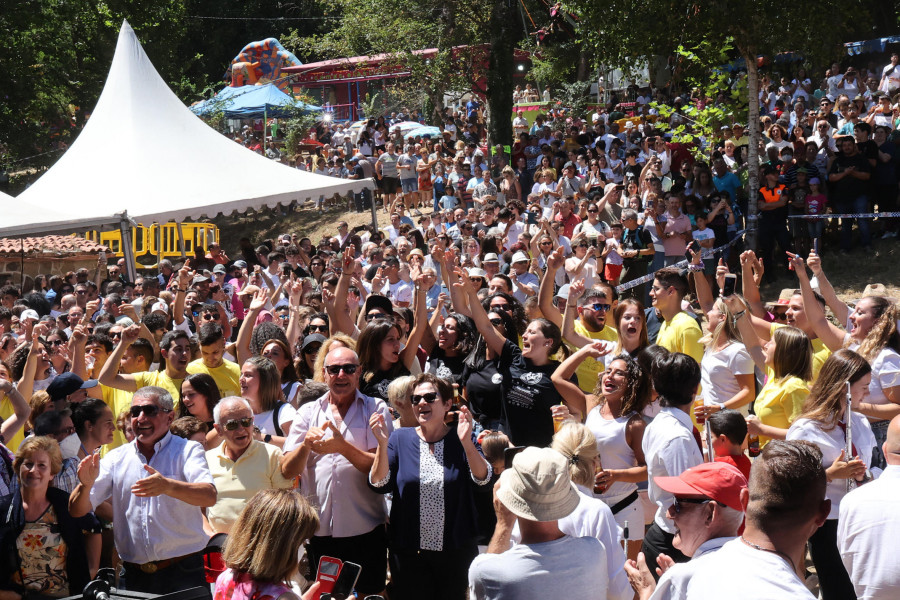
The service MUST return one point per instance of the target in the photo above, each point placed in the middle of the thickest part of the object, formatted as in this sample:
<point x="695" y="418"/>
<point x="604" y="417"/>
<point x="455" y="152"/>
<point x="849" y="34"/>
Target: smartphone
<point x="329" y="569"/>
<point x="695" y="246"/>
<point x="509" y="454"/>
<point x="620" y="186"/>
<point x="816" y="245"/>
<point x="729" y="286"/>
<point x="346" y="581"/>
<point x="530" y="218"/>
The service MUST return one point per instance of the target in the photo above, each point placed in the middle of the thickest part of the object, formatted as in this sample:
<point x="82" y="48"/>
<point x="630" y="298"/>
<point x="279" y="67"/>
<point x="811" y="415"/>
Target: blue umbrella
<point x="428" y="130"/>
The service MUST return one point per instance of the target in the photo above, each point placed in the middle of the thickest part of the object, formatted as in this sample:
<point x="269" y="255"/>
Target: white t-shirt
<point x="744" y="573"/>
<point x="398" y="292"/>
<point x="266" y="423"/>
<point x="705" y="234"/>
<point x="885" y="374"/>
<point x="717" y="371"/>
<point x="613" y="258"/>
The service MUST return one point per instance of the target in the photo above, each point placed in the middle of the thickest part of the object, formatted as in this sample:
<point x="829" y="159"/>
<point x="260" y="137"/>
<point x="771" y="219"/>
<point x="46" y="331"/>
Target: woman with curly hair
<point x="622" y="393"/>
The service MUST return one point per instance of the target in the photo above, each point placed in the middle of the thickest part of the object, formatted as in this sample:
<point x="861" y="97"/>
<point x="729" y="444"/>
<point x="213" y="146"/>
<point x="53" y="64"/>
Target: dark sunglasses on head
<point x="235" y="423"/>
<point x="429" y="398"/>
<point x="151" y="410"/>
<point x="335" y="369"/>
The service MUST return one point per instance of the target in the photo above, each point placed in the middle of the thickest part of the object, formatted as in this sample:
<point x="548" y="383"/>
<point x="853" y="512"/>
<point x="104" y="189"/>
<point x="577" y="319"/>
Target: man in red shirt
<point x="567" y="219"/>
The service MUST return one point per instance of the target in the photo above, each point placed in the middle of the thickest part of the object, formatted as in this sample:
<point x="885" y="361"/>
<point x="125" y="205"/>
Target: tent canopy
<point x="144" y="155"/>
<point x="253" y="101"/>
<point x="876" y="45"/>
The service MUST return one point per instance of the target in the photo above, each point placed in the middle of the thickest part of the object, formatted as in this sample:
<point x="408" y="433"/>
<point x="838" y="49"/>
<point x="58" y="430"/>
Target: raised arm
<point x="751" y="274"/>
<point x="21" y="410"/>
<point x="748" y="333"/>
<point x="704" y="292"/>
<point x="831" y="336"/>
<point x="839" y="309"/>
<point x="109" y="375"/>
<point x="573" y="396"/>
<point x="341" y="318"/>
<point x="420" y="325"/>
<point x="183" y="281"/>
<point x="246" y="331"/>
<point x="576" y="289"/>
<point x="492" y="338"/>
<point x="555" y="261"/>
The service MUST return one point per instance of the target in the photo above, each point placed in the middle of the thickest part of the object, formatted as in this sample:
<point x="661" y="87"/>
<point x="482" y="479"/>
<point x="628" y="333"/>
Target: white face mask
<point x="70" y="446"/>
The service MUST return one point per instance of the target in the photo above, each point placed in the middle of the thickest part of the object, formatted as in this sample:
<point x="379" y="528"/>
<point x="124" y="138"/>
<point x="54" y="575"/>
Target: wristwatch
<point x="267" y="438"/>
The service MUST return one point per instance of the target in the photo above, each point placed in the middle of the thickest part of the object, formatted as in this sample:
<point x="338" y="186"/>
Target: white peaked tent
<point x="144" y="156"/>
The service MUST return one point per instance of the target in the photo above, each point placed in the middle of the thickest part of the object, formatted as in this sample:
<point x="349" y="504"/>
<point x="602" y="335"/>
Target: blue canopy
<point x="253" y="101"/>
<point x="876" y="45"/>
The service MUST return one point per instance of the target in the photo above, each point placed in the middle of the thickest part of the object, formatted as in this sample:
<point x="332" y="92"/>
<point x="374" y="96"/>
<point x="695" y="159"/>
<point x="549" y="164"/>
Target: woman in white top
<point x="583" y="265"/>
<point x="823" y="422"/>
<point x="726" y="370"/>
<point x="619" y="429"/>
<point x="874" y="336"/>
<point x="261" y="386"/>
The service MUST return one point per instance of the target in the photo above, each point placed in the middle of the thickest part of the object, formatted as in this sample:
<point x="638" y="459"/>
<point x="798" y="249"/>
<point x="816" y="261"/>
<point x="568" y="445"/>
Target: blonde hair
<point x="39" y="443"/>
<point x="399" y="390"/>
<point x="578" y="444"/>
<point x="326" y="347"/>
<point x="40" y="403"/>
<point x="727" y="327"/>
<point x="884" y="331"/>
<point x="260" y="544"/>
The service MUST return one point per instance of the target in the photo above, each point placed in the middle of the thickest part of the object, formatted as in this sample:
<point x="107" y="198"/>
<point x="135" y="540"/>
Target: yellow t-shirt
<point x="258" y="468"/>
<point x="681" y="334"/>
<point x="779" y="403"/>
<point x="820" y="355"/>
<point x="589" y="369"/>
<point x="7" y="411"/>
<point x="117" y="401"/>
<point x="227" y="376"/>
<point x="159" y="379"/>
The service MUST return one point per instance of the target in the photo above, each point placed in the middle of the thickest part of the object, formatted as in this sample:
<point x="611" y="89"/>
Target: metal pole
<point x="127" y="249"/>
<point x="180" y="240"/>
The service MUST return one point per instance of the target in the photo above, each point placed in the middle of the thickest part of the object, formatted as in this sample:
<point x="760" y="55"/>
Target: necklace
<point x="773" y="551"/>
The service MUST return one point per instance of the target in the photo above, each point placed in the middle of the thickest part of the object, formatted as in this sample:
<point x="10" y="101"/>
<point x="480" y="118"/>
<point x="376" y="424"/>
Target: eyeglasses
<point x="821" y="126"/>
<point x="81" y="292"/>
<point x="503" y="307"/>
<point x="498" y="322"/>
<point x="590" y="210"/>
<point x="677" y="504"/>
<point x="429" y="398"/>
<point x="548" y="243"/>
<point x="151" y="410"/>
<point x="322" y="328"/>
<point x="115" y="336"/>
<point x="312" y="349"/>
<point x="211" y="317"/>
<point x="56" y="342"/>
<point x="600" y="307"/>
<point x="375" y="315"/>
<point x="67" y="431"/>
<point x="235" y="423"/>
<point x="347" y="369"/>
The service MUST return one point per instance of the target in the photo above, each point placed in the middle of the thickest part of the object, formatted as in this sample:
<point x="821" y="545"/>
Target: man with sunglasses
<point x="241" y="465"/>
<point x="331" y="446"/>
<point x="707" y="513"/>
<point x="158" y="527"/>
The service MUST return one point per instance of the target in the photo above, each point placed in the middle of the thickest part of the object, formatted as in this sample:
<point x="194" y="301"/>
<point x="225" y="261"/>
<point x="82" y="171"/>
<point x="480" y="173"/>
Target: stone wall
<point x="11" y="266"/>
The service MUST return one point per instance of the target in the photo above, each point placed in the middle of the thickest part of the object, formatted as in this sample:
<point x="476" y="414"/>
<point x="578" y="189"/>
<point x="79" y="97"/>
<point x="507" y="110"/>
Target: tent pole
<point x="127" y="249"/>
<point x="158" y="245"/>
<point x="180" y="240"/>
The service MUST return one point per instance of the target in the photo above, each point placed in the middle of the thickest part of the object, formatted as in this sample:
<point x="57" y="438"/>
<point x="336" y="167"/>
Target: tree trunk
<point x="504" y="35"/>
<point x="753" y="147"/>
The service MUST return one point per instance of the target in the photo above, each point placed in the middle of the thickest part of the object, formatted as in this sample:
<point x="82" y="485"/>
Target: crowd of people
<point x="472" y="404"/>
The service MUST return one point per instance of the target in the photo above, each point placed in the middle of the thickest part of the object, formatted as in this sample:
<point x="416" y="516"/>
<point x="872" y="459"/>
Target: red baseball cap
<point x="718" y="481"/>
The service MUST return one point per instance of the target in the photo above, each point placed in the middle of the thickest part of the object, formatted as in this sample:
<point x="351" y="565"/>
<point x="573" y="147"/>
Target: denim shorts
<point x="409" y="185"/>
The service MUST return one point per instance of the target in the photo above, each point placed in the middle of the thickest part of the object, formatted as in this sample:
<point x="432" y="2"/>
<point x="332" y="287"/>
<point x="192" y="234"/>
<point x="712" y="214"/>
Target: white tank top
<point x="615" y="453"/>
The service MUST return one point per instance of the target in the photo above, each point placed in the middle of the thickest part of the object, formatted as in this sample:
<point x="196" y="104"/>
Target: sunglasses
<point x="115" y="336"/>
<point x="551" y="243"/>
<point x="503" y="307"/>
<point x="347" y="369"/>
<point x="677" y="504"/>
<point x="590" y="210"/>
<point x="429" y="398"/>
<point x="211" y="317"/>
<point x="600" y="307"/>
<point x="375" y="315"/>
<point x="151" y="410"/>
<point x="322" y="328"/>
<point x="67" y="431"/>
<point x="497" y="322"/>
<point x="312" y="349"/>
<point x="57" y="342"/>
<point x="81" y="292"/>
<point x="235" y="423"/>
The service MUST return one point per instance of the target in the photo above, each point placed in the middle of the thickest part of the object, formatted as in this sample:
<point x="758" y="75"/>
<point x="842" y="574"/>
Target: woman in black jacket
<point x="42" y="548"/>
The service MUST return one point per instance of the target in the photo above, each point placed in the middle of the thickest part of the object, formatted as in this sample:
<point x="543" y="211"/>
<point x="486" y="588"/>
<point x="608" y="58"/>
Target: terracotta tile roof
<point x="50" y="244"/>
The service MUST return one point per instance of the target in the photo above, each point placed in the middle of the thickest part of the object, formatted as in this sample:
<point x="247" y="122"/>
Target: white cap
<point x="161" y="307"/>
<point x="29" y="314"/>
<point x="519" y="257"/>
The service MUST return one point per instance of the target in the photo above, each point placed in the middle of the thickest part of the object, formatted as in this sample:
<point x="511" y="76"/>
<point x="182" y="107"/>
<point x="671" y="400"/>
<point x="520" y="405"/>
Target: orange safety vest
<point x="772" y="195"/>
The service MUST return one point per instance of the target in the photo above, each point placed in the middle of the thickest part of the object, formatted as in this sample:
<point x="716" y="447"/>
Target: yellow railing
<point x="158" y="240"/>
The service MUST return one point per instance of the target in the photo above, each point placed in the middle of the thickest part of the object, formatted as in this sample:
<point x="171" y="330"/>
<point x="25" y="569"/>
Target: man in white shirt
<point x="707" y="513"/>
<point x="536" y="492"/>
<point x="520" y="123"/>
<point x="670" y="447"/>
<point x="868" y="527"/>
<point x="890" y="76"/>
<point x="331" y="445"/>
<point x="785" y="504"/>
<point x="159" y="528"/>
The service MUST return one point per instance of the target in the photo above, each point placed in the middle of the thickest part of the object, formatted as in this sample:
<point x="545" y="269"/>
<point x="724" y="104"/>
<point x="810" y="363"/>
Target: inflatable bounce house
<point x="261" y="62"/>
